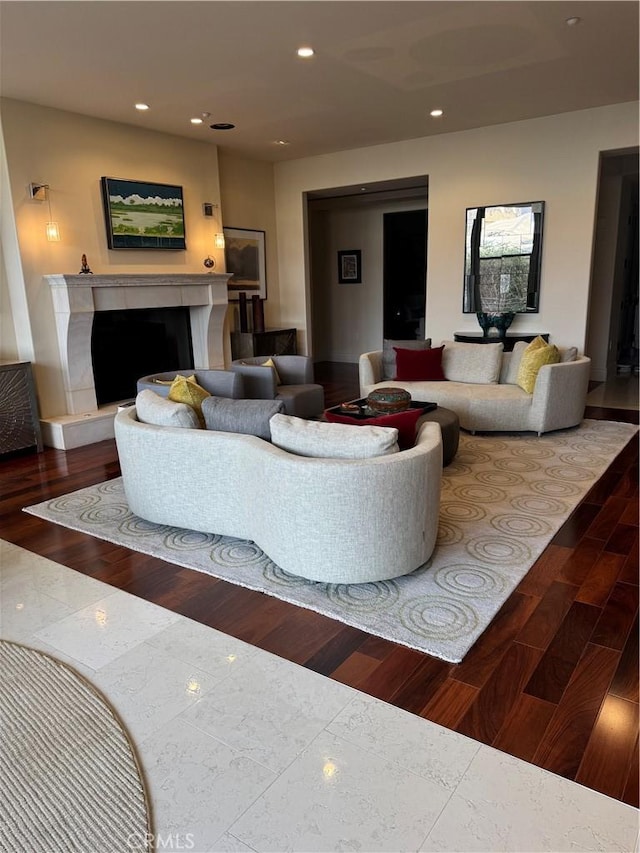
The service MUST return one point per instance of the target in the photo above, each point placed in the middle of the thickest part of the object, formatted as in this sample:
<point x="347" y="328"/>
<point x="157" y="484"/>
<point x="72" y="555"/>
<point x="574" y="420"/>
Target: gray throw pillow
<point x="249" y="417"/>
<point x="389" y="354"/>
<point x="153" y="409"/>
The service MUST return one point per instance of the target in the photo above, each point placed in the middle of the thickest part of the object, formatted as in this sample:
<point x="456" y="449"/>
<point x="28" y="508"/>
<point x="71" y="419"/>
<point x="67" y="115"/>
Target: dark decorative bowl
<point x="386" y="401"/>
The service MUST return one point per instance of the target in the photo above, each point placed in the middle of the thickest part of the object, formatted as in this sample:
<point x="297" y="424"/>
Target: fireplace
<point x="196" y="301"/>
<point x="126" y="345"/>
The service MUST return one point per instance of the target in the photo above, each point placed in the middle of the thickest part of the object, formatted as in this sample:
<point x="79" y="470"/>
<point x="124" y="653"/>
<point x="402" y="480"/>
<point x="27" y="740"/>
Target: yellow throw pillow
<point x="185" y="390"/>
<point x="538" y="352"/>
<point x="269" y="363"/>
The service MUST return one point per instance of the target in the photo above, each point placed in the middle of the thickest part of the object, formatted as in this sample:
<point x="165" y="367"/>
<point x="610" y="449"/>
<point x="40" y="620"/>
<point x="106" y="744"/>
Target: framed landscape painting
<point x="141" y="215"/>
<point x="244" y="256"/>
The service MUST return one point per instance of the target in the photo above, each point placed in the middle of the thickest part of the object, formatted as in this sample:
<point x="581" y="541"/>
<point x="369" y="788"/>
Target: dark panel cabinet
<point x="19" y="419"/>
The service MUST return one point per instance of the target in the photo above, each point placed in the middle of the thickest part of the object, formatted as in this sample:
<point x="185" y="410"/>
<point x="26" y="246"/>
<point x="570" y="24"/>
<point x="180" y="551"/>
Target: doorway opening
<point x="405" y="274"/>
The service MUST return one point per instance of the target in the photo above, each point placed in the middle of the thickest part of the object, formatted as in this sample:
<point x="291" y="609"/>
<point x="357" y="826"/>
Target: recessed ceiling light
<point x="305" y="52"/>
<point x="196" y="121"/>
<point x="436" y="113"/>
<point x="142" y="106"/>
<point x="222" y="125"/>
<point x="572" y="22"/>
<point x="282" y="142"/>
<point x="363" y="189"/>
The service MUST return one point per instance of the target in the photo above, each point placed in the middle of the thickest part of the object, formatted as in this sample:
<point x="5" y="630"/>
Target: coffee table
<point x="448" y="420"/>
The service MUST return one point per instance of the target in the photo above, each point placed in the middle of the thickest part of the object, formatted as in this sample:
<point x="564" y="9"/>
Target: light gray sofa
<point x="330" y="520"/>
<point x="489" y="399"/>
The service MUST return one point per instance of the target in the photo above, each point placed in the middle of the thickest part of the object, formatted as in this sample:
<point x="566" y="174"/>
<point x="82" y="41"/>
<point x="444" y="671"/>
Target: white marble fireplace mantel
<point x="77" y="297"/>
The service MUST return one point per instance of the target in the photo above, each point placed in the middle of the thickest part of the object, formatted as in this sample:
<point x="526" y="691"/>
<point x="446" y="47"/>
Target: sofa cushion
<point x="511" y="377"/>
<point x="269" y="363"/>
<point x="153" y="409"/>
<point x="405" y="422"/>
<point x="331" y="440"/>
<point x="475" y="363"/>
<point x="185" y="390"/>
<point x="389" y="354"/>
<point x="416" y="365"/>
<point x="248" y="417"/>
<point x="537" y="353"/>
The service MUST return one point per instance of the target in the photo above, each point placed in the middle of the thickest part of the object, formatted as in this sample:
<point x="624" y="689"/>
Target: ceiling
<point x="378" y="70"/>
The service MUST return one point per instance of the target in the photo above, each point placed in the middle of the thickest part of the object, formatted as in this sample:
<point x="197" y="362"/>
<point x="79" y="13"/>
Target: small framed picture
<point x="350" y="266"/>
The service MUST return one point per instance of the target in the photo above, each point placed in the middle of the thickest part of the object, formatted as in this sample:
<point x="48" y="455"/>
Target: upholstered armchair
<point x="291" y="381"/>
<point x="220" y="383"/>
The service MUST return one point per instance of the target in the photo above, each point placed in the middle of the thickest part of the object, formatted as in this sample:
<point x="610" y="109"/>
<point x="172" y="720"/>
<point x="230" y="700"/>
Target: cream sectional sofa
<point x="326" y="519"/>
<point x="481" y="387"/>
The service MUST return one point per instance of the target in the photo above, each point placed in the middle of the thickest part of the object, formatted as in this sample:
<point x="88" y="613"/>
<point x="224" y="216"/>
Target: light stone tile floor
<point x="243" y="751"/>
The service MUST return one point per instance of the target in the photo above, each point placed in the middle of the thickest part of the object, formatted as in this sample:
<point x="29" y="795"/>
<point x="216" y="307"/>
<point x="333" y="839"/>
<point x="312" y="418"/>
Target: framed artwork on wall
<point x="142" y="215"/>
<point x="350" y="266"/>
<point x="244" y="256"/>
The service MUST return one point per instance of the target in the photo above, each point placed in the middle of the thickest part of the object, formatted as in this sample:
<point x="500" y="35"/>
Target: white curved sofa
<point x="557" y="402"/>
<point x="330" y="520"/>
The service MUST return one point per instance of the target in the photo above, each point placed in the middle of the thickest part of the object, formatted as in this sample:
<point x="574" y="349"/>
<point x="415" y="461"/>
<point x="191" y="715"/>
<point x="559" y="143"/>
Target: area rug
<point x="70" y="778"/>
<point x="503" y="498"/>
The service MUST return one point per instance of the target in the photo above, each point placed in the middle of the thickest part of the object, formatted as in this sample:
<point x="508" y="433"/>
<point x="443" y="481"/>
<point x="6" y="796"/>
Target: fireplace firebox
<point x="126" y="345"/>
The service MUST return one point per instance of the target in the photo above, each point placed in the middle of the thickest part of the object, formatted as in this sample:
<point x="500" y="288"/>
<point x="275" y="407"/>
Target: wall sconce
<point x="41" y="192"/>
<point x="209" y="208"/>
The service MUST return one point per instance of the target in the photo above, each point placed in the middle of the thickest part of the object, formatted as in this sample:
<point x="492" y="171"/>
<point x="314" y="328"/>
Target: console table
<point x="19" y="419"/>
<point x="269" y="342"/>
<point x="511" y="338"/>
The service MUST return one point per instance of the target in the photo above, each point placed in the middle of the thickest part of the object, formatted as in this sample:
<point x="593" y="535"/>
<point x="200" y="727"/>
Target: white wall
<point x="348" y="318"/>
<point x="554" y="159"/>
<point x="70" y="153"/>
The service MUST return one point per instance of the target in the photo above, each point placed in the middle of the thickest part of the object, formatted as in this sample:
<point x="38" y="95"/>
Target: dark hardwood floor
<point x="553" y="680"/>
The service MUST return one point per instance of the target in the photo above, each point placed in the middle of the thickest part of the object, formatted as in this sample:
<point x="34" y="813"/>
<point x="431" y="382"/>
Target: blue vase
<point x="495" y="320"/>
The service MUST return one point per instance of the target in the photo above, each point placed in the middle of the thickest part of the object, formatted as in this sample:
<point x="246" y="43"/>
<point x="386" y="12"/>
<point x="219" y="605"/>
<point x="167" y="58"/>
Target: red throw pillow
<point x="419" y="364"/>
<point x="405" y="422"/>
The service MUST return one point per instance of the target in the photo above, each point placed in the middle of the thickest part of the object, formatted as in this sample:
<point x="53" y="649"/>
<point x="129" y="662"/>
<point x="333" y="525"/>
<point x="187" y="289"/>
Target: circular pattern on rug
<point x="494" y="549"/>
<point x="73" y="503"/>
<point x="517" y="466"/>
<point x="533" y="452"/>
<point x="237" y="553"/>
<point x="554" y="489"/>
<point x="364" y="596"/>
<point x="457" y="511"/>
<point x="582" y="458"/>
<point x="538" y="505"/>
<point x="567" y="472"/>
<point x="520" y="525"/>
<point x="472" y="457"/>
<point x="439" y="618"/>
<point x="190" y="540"/>
<point x="471" y="580"/>
<point x="105" y="513"/>
<point x="499" y="478"/>
<point x="112" y="487"/>
<point x="457" y="468"/>
<point x="136" y="526"/>
<point x="63" y="749"/>
<point x="448" y="534"/>
<point x="482" y="493"/>
<point x="486" y="445"/>
<point x="275" y="574"/>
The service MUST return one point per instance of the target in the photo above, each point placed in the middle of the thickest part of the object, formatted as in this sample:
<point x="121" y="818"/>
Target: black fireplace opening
<point x="126" y="345"/>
